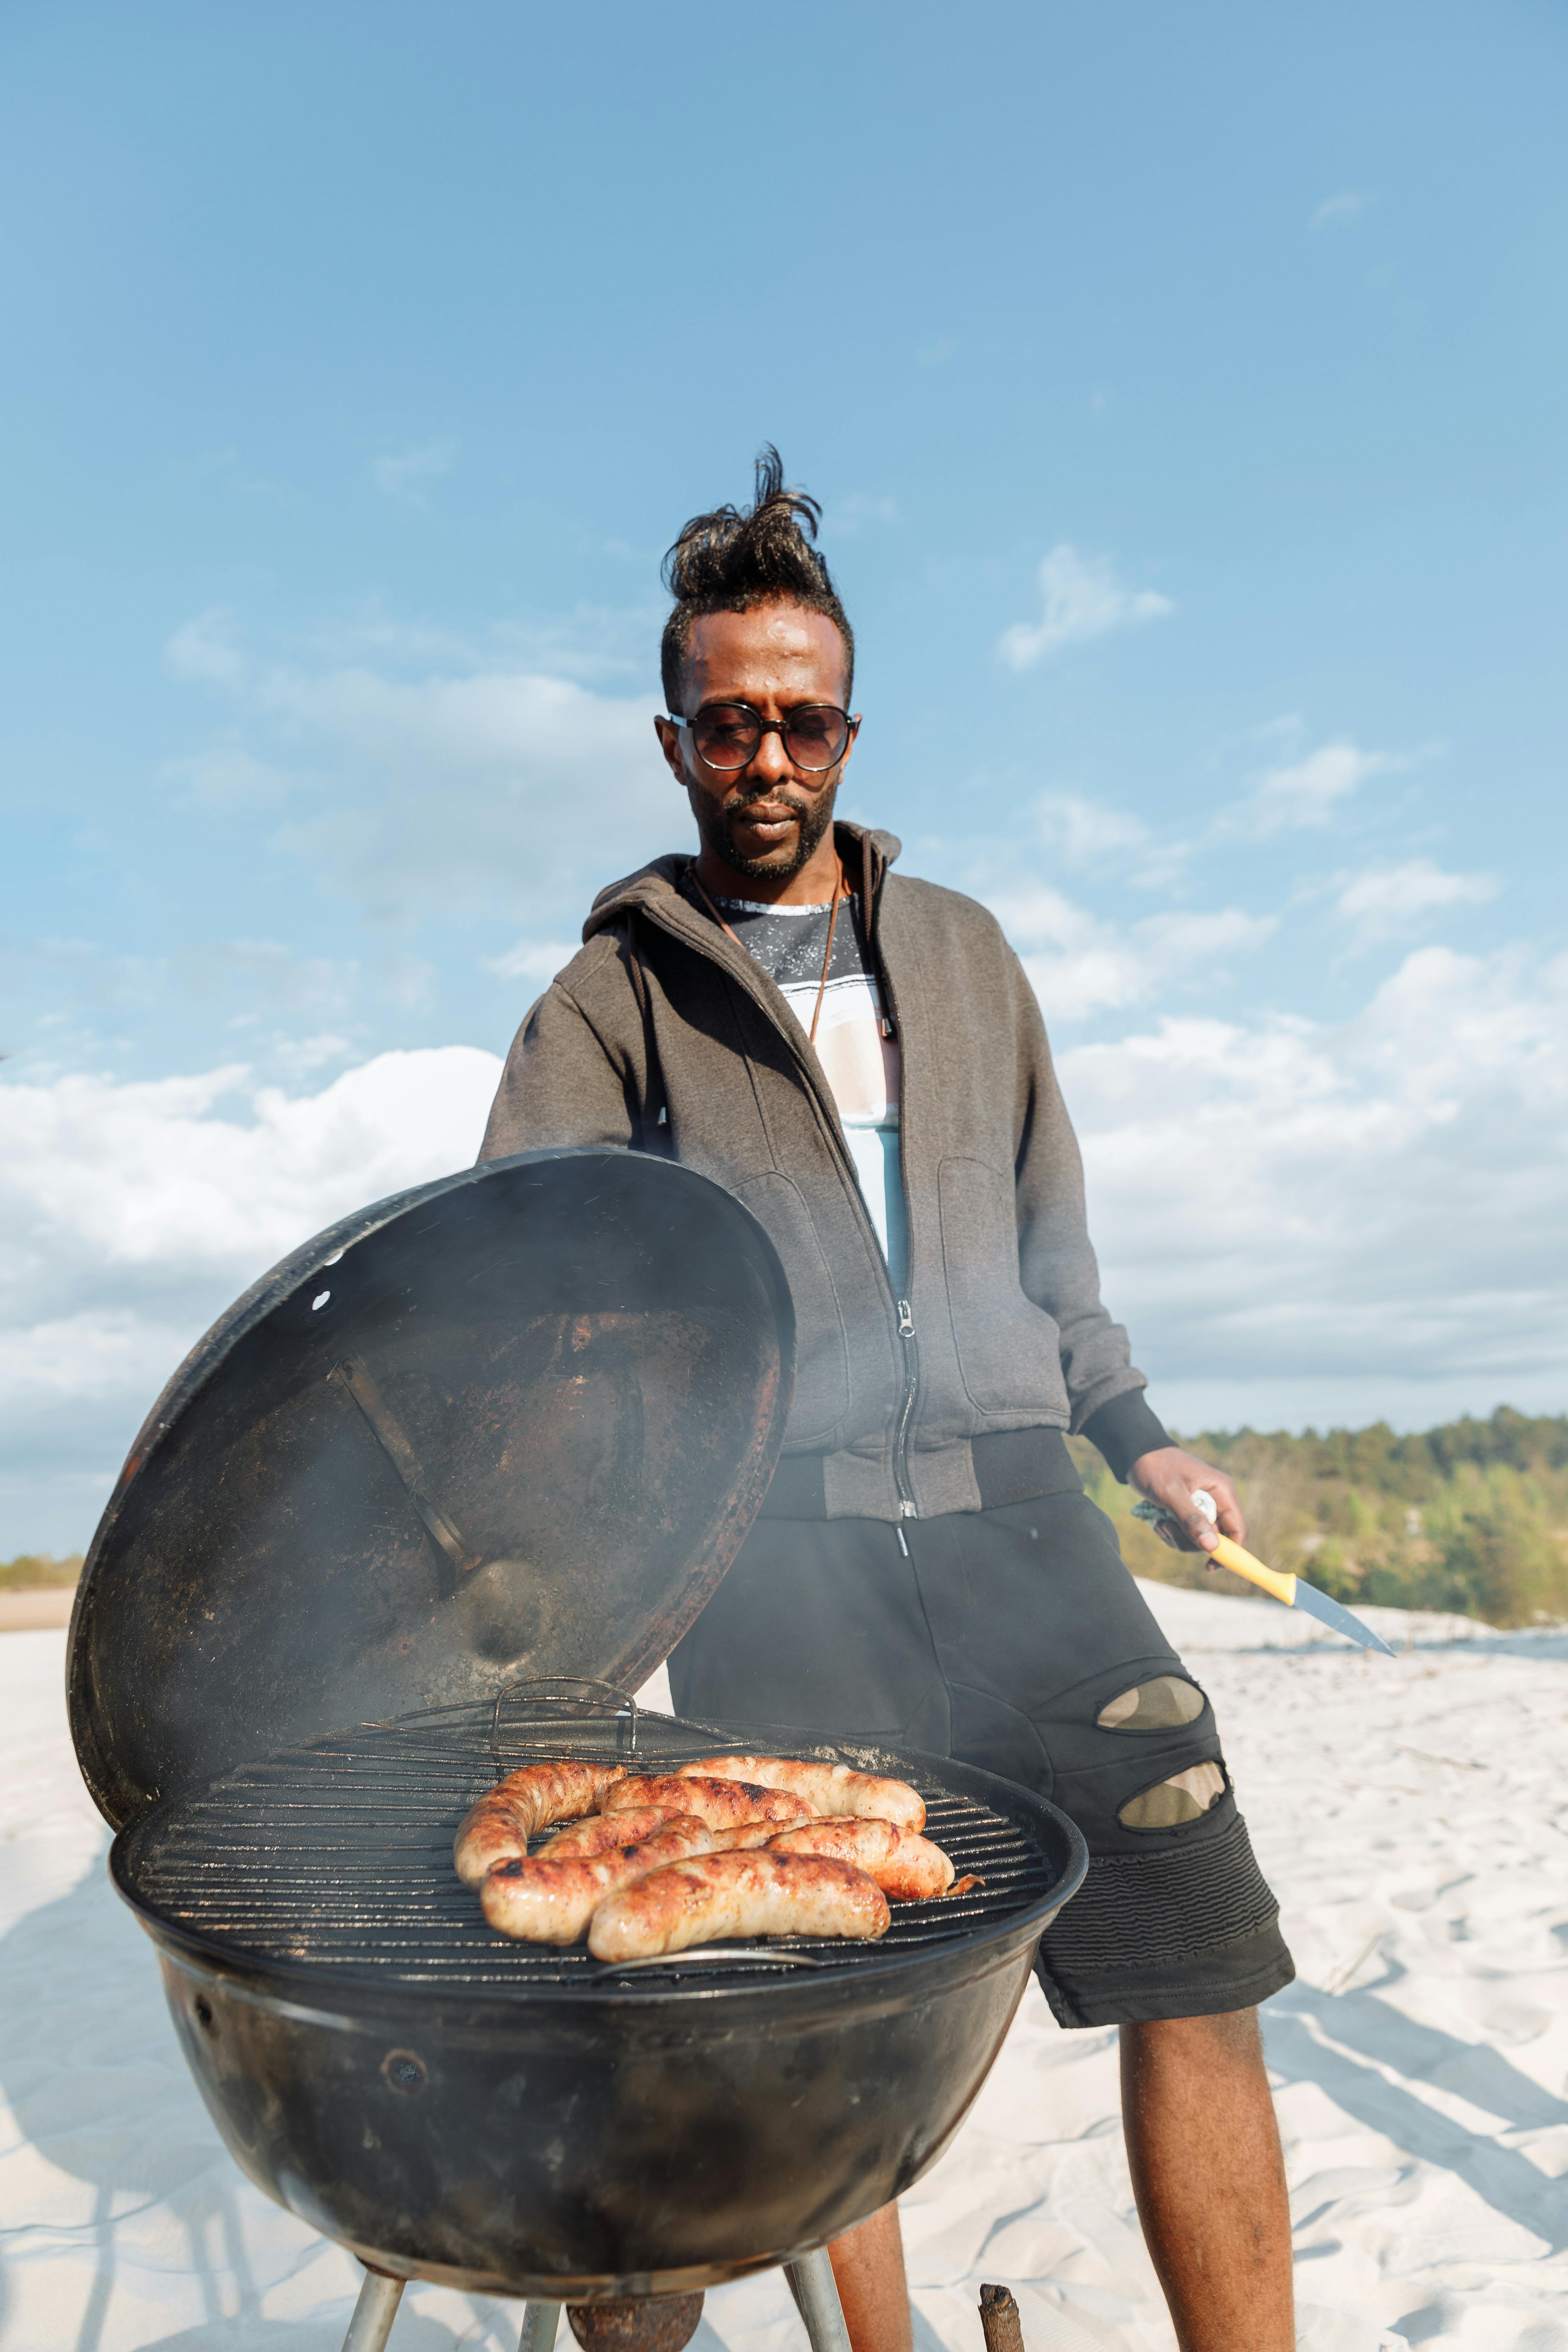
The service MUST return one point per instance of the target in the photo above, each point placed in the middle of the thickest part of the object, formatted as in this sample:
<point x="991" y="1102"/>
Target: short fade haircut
<point x="730" y="562"/>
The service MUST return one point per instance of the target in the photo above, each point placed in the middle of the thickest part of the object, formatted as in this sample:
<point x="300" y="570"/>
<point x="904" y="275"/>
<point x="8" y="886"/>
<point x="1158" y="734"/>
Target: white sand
<point x="1411" y="1814"/>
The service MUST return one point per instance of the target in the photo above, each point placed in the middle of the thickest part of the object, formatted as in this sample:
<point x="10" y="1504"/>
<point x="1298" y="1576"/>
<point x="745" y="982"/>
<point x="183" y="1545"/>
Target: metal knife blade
<point x="1343" y="1621"/>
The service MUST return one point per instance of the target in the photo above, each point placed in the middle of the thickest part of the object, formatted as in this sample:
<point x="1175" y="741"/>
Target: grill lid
<point x="512" y="1424"/>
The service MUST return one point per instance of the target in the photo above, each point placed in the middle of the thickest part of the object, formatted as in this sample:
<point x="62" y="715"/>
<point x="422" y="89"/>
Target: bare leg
<point x="1203" y="2148"/>
<point x="868" y="2264"/>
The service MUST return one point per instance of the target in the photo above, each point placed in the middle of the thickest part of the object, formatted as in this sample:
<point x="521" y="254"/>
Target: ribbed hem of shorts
<point x="1208" y="1984"/>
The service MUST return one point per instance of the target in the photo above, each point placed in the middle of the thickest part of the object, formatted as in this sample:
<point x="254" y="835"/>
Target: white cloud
<point x="1385" y="901"/>
<point x="225" y="776"/>
<point x="1086" y="833"/>
<point x="405" y="473"/>
<point x="467" y="785"/>
<point x="1082" y="599"/>
<point x="132" y="1214"/>
<point x="173" y="1170"/>
<point x="207" y="649"/>
<point x="1338" y="212"/>
<point x="1078" y="964"/>
<point x="1342" y="1221"/>
<point x="1307" y="791"/>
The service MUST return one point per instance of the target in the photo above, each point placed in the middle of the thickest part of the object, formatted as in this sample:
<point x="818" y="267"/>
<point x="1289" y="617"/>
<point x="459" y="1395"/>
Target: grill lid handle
<point x="542" y="1688"/>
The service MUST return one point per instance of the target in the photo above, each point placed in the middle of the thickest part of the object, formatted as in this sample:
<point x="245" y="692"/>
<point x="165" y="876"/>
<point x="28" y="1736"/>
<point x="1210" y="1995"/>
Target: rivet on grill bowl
<point x="203" y="2010"/>
<point x="319" y="1301"/>
<point x="403" y="2071"/>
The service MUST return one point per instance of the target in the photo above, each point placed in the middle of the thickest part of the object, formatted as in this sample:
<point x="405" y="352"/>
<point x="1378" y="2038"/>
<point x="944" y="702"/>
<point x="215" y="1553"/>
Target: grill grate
<point x="339" y="1855"/>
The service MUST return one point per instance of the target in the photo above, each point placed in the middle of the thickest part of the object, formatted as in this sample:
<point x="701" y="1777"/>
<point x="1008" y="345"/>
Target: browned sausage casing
<point x="545" y="1901"/>
<point x="602" y="1832"/>
<point x="727" y="1895"/>
<point x="906" y="1866"/>
<point x="824" y="1789"/>
<point x="518" y="1807"/>
<point x="719" y="1801"/>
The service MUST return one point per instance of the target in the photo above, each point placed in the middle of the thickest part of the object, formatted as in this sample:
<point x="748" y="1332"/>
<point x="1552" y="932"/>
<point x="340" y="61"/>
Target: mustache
<point x="768" y="795"/>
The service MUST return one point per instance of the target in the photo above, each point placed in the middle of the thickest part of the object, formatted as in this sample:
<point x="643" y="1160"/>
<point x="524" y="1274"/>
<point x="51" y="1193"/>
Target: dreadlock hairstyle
<point x="729" y="562"/>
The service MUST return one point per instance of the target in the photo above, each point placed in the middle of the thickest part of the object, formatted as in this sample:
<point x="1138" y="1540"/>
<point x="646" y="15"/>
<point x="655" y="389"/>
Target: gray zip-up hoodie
<point x="663" y="1034"/>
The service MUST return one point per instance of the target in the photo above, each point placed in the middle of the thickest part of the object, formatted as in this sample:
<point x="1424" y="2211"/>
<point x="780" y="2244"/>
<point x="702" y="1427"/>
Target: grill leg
<point x="540" y="2321"/>
<point x="374" y="2313"/>
<point x="816" y="2291"/>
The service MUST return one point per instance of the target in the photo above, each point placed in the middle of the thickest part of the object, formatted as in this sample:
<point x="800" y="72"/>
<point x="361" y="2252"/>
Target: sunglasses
<point x="728" y="735"/>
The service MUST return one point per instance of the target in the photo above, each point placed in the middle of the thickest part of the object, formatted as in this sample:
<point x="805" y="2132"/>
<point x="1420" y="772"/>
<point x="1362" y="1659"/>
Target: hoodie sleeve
<point x="563" y="1084"/>
<point x="1056" y="1262"/>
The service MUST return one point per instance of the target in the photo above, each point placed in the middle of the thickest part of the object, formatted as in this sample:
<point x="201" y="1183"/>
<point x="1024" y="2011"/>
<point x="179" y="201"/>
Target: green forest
<point x="1471" y="1517"/>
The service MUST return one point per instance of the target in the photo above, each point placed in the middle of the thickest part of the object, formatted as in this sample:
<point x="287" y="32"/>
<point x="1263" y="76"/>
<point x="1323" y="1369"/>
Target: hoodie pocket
<point x="1009" y="1349"/>
<point x="822" y="1362"/>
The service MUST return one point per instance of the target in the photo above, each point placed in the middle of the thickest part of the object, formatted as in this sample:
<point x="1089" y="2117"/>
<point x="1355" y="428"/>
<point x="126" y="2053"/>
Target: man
<point x="858" y="1057"/>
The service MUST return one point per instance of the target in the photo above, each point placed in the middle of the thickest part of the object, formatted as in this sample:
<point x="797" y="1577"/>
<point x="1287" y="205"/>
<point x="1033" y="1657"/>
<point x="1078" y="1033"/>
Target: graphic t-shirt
<point x="860" y="1064"/>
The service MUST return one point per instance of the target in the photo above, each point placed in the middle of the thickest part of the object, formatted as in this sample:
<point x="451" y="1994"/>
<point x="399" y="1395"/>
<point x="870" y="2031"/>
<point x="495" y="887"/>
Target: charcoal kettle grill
<point x="427" y="1503"/>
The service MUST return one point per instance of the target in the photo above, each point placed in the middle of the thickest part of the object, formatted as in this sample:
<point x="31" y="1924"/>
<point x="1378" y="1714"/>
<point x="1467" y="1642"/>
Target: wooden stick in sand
<point x="999" y="2318"/>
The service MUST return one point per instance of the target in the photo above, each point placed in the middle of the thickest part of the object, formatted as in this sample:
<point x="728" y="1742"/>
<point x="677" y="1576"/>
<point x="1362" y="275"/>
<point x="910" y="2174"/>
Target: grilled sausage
<point x="518" y="1807"/>
<point x="824" y="1788"/>
<point x="601" y="1831"/>
<point x="545" y="1901"/>
<point x="906" y="1866"/>
<point x="721" y="1801"/>
<point x="725" y="1895"/>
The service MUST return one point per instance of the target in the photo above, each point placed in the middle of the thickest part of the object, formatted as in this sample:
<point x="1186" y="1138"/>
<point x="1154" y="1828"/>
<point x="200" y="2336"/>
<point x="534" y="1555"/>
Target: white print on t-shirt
<point x="862" y="1068"/>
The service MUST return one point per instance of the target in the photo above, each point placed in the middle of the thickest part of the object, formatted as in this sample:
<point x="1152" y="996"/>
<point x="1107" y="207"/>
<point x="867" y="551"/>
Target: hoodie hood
<point x="865" y="852"/>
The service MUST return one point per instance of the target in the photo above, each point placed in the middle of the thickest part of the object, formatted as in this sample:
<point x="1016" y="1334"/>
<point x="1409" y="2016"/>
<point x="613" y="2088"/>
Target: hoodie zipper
<point x="909" y="1343"/>
<point x="908" y="1340"/>
<point x="911" y="1348"/>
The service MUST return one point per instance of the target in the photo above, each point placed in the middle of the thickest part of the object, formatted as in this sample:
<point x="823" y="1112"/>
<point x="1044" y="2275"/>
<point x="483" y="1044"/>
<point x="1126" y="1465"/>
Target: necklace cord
<point x="839" y="893"/>
<point x="827" y="959"/>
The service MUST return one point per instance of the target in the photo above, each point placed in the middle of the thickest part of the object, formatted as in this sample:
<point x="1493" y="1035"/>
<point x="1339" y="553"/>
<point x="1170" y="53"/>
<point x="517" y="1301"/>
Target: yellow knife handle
<point x="1241" y="1563"/>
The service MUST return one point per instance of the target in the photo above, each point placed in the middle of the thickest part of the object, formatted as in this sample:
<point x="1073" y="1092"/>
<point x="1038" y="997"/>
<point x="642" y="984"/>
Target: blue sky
<point x="1184" y="391"/>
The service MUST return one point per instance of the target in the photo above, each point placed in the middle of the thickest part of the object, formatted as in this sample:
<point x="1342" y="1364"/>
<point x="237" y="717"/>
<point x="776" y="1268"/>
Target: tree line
<point x="1471" y="1517"/>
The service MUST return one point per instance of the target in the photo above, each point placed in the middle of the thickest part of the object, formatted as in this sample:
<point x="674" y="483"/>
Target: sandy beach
<point x="29" y="1611"/>
<point x="1411" y="1814"/>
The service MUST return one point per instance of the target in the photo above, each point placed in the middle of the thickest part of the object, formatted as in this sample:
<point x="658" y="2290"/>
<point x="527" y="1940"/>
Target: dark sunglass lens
<point x="814" y="739"/>
<point x="725" y="735"/>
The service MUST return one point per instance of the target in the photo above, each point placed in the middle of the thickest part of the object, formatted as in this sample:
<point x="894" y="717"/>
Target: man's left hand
<point x="1171" y="1475"/>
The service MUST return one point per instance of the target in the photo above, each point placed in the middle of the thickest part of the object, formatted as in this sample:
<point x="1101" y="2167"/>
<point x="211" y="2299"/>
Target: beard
<point x="813" y="817"/>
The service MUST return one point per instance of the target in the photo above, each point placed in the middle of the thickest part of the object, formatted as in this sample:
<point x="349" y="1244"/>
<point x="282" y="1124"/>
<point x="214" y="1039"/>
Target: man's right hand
<point x="1170" y="1476"/>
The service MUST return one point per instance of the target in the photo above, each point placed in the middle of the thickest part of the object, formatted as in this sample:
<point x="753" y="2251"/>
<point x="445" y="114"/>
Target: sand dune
<point x="1412" y="1815"/>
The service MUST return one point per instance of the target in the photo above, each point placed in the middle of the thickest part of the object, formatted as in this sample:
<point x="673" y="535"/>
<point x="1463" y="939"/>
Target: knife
<point x="1279" y="1584"/>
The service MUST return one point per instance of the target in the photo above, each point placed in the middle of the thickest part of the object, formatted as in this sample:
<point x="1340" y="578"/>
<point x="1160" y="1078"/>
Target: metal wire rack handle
<point x="562" y="1686"/>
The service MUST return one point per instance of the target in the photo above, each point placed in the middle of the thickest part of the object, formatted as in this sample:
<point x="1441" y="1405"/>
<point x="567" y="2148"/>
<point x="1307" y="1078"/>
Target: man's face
<point x="767" y="820"/>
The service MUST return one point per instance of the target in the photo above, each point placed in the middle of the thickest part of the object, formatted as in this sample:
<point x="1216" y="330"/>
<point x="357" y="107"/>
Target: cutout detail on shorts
<point x="1159" y="1704"/>
<point x="1184" y="1796"/>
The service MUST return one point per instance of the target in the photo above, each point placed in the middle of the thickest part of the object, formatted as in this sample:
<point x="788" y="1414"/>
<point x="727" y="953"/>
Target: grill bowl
<point x="528" y="2122"/>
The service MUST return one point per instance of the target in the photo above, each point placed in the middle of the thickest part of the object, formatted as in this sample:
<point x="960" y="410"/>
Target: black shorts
<point x="1016" y="1639"/>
